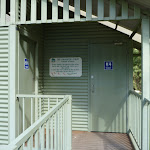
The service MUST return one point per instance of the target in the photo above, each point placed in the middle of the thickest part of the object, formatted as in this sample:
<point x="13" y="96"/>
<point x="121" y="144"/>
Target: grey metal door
<point x="108" y="87"/>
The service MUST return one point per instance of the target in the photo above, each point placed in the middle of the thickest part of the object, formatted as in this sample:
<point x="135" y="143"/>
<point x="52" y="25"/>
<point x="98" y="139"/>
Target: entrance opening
<point x="99" y="94"/>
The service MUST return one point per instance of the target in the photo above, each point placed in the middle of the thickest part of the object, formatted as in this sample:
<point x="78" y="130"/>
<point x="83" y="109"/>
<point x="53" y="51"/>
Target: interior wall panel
<point x="73" y="40"/>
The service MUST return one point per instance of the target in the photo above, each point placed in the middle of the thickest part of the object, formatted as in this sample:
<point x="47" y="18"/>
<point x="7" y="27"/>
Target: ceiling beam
<point x="117" y="23"/>
<point x="135" y="30"/>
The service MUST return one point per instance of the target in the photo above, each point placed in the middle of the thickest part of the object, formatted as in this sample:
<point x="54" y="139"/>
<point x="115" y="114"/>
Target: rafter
<point x="135" y="30"/>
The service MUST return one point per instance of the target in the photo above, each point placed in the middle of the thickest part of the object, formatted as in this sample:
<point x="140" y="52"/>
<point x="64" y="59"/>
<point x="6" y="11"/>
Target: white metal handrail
<point x="57" y="124"/>
<point x="135" y="104"/>
<point x="32" y="107"/>
<point x="147" y="101"/>
<point x="147" y="104"/>
<point x="135" y="93"/>
<point x="39" y="96"/>
<point x="134" y="116"/>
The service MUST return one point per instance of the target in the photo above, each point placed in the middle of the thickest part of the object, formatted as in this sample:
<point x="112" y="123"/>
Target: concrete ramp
<point x="82" y="140"/>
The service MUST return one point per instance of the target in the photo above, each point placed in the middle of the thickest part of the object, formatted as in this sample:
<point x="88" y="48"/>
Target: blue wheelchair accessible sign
<point x="26" y="63"/>
<point x="108" y="65"/>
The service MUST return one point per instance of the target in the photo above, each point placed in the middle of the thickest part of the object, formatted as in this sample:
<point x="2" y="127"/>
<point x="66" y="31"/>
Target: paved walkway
<point x="82" y="140"/>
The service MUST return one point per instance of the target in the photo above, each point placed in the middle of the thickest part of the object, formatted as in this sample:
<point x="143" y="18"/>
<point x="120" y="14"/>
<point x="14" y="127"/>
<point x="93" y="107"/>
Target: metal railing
<point x="25" y="12"/>
<point x="52" y="131"/>
<point x="134" y="116"/>
<point x="32" y="107"/>
<point x="135" y="104"/>
<point x="147" y="104"/>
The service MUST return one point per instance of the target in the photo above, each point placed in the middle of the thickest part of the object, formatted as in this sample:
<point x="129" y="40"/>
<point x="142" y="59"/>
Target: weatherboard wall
<point x="4" y="52"/>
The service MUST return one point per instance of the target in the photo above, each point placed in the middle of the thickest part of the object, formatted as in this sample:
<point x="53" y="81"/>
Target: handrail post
<point x="145" y="79"/>
<point x="12" y="82"/>
<point x="36" y="81"/>
<point x="66" y="103"/>
<point x="134" y="111"/>
<point x="13" y="11"/>
<point x="69" y="123"/>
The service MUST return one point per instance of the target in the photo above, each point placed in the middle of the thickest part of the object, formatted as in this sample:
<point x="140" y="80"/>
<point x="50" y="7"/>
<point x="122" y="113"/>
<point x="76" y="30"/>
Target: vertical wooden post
<point x="36" y="82"/>
<point x="13" y="11"/>
<point x="44" y="11"/>
<point x="69" y="123"/>
<point x="23" y="11"/>
<point x="77" y="10"/>
<point x="124" y="9"/>
<point x="3" y="12"/>
<point x="47" y="135"/>
<point x="137" y="12"/>
<point x="54" y="10"/>
<point x="130" y="81"/>
<point x="100" y="9"/>
<point x="145" y="79"/>
<point x="112" y="9"/>
<point x="88" y="9"/>
<point x="66" y="10"/>
<point x="37" y="140"/>
<point x="12" y="82"/>
<point x="52" y="138"/>
<point x="33" y="11"/>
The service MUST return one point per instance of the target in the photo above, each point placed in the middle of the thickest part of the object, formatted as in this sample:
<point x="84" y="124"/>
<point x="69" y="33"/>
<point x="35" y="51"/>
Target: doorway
<point x="108" y="79"/>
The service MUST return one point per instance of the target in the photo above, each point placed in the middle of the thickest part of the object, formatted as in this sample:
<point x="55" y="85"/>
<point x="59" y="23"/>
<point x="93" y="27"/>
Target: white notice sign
<point x="66" y="67"/>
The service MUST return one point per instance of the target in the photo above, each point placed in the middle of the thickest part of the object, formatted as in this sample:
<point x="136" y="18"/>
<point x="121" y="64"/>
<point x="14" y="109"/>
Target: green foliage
<point x="137" y="71"/>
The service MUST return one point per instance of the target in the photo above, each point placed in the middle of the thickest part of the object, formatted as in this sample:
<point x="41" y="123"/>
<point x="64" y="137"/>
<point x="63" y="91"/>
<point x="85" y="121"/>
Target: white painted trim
<point x="13" y="11"/>
<point x="145" y="79"/>
<point x="12" y="82"/>
<point x="133" y="141"/>
<point x="89" y="89"/>
<point x="112" y="12"/>
<point x="43" y="11"/>
<point x="18" y="59"/>
<point x="39" y="96"/>
<point x="129" y="74"/>
<point x="36" y="80"/>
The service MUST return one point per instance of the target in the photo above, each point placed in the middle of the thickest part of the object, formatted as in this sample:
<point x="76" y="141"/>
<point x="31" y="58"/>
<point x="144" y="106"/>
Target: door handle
<point x="92" y="88"/>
